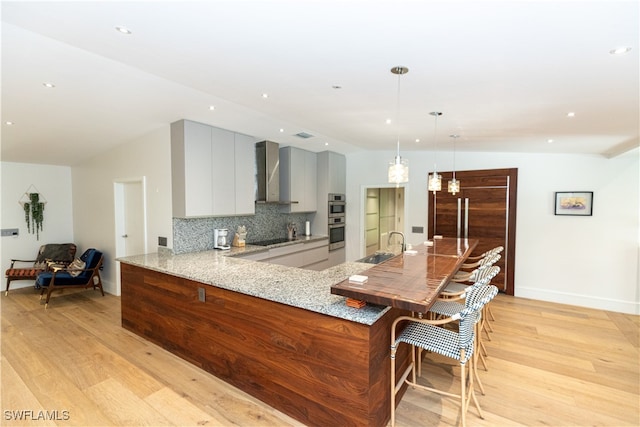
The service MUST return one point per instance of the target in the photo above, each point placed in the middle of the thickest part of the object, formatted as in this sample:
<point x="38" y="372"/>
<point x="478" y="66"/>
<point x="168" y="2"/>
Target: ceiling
<point x="505" y="74"/>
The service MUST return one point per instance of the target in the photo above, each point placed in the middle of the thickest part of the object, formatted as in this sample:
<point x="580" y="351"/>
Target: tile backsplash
<point x="196" y="234"/>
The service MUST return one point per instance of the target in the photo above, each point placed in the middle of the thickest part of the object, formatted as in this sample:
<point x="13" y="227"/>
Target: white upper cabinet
<point x="331" y="178"/>
<point x="332" y="172"/>
<point x="245" y="174"/>
<point x="298" y="179"/>
<point x="209" y="171"/>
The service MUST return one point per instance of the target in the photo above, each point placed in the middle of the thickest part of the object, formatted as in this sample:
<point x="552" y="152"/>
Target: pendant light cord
<point x="435" y="141"/>
<point x="455" y="137"/>
<point x="398" y="117"/>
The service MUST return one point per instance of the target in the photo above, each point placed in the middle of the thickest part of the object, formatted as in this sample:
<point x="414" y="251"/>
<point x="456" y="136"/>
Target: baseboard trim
<point x="609" y="304"/>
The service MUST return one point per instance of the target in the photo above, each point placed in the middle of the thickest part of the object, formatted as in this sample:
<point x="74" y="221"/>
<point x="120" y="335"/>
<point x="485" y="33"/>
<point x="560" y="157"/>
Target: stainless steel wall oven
<point x="337" y="212"/>
<point x="337" y="205"/>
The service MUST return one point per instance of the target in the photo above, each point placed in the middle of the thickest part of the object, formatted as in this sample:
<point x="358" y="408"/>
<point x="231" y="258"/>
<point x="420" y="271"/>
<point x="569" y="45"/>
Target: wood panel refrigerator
<point x="484" y="209"/>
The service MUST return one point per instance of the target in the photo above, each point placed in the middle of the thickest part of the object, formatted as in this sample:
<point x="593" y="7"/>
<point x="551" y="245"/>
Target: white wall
<point x="587" y="261"/>
<point x="93" y="196"/>
<point x="54" y="185"/>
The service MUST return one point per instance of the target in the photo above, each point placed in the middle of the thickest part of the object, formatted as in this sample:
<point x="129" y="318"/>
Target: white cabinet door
<point x="298" y="179"/>
<point x="310" y="182"/>
<point x="191" y="173"/>
<point x="223" y="165"/>
<point x="245" y="174"/>
<point x="337" y="173"/>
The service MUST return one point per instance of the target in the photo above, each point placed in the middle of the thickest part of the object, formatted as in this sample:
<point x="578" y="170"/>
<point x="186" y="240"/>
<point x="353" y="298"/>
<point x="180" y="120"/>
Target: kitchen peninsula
<point x="275" y="332"/>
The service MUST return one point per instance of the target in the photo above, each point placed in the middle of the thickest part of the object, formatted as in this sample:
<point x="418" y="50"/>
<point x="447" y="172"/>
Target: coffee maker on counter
<point x="221" y="238"/>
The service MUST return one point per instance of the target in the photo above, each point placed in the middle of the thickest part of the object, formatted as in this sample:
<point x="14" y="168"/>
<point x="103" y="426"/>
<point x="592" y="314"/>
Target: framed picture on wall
<point x="576" y="203"/>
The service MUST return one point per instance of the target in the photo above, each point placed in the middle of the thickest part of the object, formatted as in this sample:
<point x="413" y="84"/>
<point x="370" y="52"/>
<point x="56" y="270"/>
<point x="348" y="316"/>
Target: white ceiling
<point x="504" y="73"/>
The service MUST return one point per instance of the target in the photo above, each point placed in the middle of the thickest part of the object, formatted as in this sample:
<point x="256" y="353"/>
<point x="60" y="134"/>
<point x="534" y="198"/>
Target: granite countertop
<point x="306" y="289"/>
<point x="245" y="250"/>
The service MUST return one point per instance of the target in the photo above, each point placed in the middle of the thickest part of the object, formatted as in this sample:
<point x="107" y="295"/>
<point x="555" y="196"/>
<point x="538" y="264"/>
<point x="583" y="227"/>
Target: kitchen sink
<point x="377" y="258"/>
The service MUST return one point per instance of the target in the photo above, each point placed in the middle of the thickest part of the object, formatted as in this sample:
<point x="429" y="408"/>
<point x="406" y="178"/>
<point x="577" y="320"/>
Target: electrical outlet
<point x="201" y="295"/>
<point x="162" y="241"/>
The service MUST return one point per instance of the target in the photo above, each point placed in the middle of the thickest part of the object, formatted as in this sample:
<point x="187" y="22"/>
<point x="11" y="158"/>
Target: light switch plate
<point x="10" y="232"/>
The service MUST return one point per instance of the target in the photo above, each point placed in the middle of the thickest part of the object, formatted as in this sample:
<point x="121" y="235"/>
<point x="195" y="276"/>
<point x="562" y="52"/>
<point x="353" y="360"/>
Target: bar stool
<point x="496" y="250"/>
<point x="447" y="307"/>
<point x="428" y="334"/>
<point x="455" y="289"/>
<point x="466" y="276"/>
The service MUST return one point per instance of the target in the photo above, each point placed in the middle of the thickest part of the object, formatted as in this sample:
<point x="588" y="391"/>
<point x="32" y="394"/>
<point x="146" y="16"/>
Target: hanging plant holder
<point x="32" y="203"/>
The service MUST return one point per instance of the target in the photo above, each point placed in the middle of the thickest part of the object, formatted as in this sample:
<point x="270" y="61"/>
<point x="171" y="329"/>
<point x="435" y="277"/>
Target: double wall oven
<point x="337" y="211"/>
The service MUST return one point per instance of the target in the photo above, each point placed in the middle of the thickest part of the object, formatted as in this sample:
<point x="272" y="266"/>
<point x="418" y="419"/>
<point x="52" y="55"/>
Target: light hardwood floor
<point x="549" y="364"/>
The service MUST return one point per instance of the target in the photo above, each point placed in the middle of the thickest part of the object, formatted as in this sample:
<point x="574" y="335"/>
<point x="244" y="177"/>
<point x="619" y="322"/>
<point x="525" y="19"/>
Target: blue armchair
<point x="72" y="277"/>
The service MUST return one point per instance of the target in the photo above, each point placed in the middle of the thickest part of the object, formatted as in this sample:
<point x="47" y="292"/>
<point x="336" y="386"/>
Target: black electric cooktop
<point x="270" y="242"/>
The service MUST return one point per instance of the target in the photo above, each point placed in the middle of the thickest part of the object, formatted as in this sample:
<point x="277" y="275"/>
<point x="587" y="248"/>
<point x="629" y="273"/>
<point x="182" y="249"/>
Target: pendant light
<point x="398" y="168"/>
<point x="435" y="180"/>
<point x="454" y="184"/>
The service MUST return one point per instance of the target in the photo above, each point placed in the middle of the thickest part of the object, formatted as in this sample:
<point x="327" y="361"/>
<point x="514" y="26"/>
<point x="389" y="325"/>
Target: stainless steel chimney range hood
<point x="268" y="170"/>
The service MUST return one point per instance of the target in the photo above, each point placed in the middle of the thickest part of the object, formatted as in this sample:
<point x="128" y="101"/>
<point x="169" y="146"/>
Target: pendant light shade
<point x="435" y="182"/>
<point x="399" y="167"/>
<point x="454" y="184"/>
<point x="435" y="179"/>
<point x="398" y="170"/>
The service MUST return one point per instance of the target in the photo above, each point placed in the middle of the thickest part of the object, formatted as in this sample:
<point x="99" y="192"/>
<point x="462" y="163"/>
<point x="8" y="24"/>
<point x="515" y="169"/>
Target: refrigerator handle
<point x="466" y="218"/>
<point x="459" y="216"/>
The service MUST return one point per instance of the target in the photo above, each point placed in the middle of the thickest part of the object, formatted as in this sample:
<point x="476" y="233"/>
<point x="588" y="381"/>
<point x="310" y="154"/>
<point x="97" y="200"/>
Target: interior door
<point x="372" y="221"/>
<point x="130" y="220"/>
<point x="485" y="209"/>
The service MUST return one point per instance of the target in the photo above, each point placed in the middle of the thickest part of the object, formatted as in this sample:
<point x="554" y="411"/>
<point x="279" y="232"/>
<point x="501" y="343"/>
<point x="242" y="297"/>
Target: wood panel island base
<point x="318" y="369"/>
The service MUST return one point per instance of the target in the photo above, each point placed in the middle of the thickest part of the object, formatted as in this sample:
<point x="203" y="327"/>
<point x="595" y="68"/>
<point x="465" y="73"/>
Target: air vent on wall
<point x="304" y="135"/>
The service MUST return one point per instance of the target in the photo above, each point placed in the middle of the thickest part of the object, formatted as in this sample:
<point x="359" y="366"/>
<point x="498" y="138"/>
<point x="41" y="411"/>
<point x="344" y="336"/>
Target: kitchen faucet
<point x="391" y="233"/>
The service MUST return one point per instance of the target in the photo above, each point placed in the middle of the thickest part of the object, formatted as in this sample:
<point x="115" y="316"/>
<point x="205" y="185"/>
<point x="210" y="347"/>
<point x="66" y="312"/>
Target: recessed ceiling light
<point x="549" y="141"/>
<point x="212" y="107"/>
<point x="326" y="143"/>
<point x="388" y="121"/>
<point x="620" y="50"/>
<point x="571" y="114"/>
<point x="265" y="95"/>
<point x="123" y="30"/>
<point x="49" y="85"/>
<point x="417" y="139"/>
<point x="8" y="123"/>
<point x="281" y="130"/>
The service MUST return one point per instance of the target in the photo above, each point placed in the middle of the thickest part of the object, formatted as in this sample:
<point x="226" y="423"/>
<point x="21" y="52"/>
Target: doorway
<point x="130" y="220"/>
<point x="383" y="213"/>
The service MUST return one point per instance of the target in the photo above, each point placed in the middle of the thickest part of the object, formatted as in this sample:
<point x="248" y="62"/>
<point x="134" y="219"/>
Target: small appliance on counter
<point x="221" y="238"/>
<point x="292" y="231"/>
<point x="240" y="237"/>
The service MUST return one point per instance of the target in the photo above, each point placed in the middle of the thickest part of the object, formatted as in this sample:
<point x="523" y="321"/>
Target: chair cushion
<point x="63" y="278"/>
<point x="23" y="273"/>
<point x="436" y="339"/>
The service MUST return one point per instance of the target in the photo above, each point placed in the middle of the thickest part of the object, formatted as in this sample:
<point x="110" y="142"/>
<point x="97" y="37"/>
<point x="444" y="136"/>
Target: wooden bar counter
<point x="319" y="361"/>
<point x="411" y="281"/>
